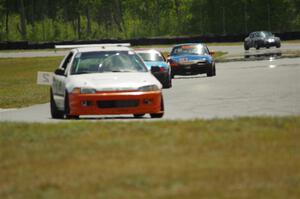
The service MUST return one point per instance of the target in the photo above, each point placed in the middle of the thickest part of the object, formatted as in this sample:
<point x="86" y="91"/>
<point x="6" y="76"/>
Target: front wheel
<point x="167" y="83"/>
<point x="246" y="47"/>
<point x="278" y="45"/>
<point x="212" y="71"/>
<point x="55" y="113"/>
<point x="172" y="75"/>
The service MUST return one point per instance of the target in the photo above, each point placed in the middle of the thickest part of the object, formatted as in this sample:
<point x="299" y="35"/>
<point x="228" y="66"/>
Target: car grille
<point x="117" y="103"/>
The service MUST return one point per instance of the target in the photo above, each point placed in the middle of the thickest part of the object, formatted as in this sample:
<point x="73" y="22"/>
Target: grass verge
<point x="18" y="76"/>
<point x="241" y="158"/>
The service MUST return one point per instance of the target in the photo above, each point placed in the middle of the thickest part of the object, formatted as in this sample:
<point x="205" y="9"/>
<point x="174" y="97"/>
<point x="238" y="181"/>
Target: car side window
<point x="67" y="60"/>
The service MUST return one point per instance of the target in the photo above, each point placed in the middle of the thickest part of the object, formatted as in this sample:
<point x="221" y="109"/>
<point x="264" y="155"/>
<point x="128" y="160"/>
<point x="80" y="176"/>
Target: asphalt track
<point x="248" y="88"/>
<point x="235" y="51"/>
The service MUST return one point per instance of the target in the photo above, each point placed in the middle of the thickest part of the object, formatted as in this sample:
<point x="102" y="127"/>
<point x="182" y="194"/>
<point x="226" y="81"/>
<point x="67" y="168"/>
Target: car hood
<point x="191" y="58"/>
<point x="111" y="81"/>
<point x="149" y="64"/>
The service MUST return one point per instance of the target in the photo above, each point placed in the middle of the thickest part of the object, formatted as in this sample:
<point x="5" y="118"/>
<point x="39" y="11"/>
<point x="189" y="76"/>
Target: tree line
<point x="55" y="20"/>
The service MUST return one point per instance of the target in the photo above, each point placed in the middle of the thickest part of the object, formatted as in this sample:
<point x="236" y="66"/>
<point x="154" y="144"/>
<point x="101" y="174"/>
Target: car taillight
<point x="161" y="69"/>
<point x="76" y="91"/>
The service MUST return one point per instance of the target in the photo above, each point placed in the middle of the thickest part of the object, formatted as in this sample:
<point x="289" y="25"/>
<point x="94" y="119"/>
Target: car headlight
<point x="84" y="90"/>
<point x="271" y="40"/>
<point x="149" y="88"/>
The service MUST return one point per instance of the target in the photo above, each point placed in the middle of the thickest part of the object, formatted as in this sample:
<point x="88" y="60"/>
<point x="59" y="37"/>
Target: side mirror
<point x="59" y="71"/>
<point x="155" y="69"/>
<point x="212" y="52"/>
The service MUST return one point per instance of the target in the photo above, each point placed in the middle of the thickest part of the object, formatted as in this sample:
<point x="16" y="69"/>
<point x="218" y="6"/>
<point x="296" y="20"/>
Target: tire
<point x="212" y="71"/>
<point x="278" y="45"/>
<point x="167" y="82"/>
<point x="256" y="46"/>
<point x="172" y="75"/>
<point x="138" y="115"/>
<point x="55" y="113"/>
<point x="170" y="82"/>
<point x="246" y="47"/>
<point x="67" y="109"/>
<point x="162" y="108"/>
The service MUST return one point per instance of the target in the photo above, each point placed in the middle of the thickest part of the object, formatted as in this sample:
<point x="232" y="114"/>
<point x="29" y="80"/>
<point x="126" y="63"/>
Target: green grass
<point x="18" y="77"/>
<point x="292" y="41"/>
<point x="242" y="158"/>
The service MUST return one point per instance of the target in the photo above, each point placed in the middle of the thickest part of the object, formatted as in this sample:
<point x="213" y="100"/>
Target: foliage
<point x="47" y="20"/>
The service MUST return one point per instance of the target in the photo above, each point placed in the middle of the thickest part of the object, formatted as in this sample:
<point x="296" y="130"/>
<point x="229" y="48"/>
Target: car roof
<point x="102" y="49"/>
<point x="189" y="44"/>
<point x="147" y="51"/>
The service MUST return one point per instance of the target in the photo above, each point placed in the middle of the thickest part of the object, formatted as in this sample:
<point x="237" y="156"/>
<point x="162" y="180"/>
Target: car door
<point x="256" y="39"/>
<point x="252" y="39"/>
<point x="59" y="80"/>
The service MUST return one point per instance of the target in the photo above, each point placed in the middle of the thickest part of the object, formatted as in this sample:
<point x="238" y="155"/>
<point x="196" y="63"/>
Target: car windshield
<point x="151" y="56"/>
<point x="266" y="34"/>
<point x="109" y="61"/>
<point x="189" y="49"/>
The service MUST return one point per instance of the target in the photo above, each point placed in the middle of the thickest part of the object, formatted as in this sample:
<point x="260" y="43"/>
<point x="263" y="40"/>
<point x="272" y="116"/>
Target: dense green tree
<point x="46" y="20"/>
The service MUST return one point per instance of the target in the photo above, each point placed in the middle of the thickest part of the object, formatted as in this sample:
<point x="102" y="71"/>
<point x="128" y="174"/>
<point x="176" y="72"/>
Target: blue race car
<point x="191" y="59"/>
<point x="157" y="64"/>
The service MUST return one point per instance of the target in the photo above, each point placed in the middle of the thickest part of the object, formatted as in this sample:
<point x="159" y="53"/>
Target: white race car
<point x="106" y="79"/>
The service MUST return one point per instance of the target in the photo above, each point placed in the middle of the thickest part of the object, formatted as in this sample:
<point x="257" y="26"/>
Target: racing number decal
<point x="44" y="78"/>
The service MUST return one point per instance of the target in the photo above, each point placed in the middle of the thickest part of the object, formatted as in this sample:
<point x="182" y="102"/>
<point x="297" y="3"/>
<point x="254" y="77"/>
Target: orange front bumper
<point x="111" y="103"/>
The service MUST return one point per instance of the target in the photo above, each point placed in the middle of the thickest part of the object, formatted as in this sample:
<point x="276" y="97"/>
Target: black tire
<point x="67" y="109"/>
<point x="246" y="47"/>
<point x="162" y="109"/>
<point x="256" y="46"/>
<point x="167" y="82"/>
<point x="138" y="115"/>
<point x="170" y="82"/>
<point x="55" y="113"/>
<point x="172" y="75"/>
<point x="278" y="45"/>
<point x="212" y="71"/>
